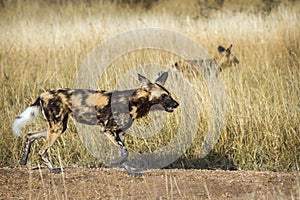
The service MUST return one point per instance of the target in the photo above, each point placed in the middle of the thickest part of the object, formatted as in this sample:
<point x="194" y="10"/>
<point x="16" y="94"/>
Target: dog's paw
<point x="135" y="174"/>
<point x="130" y="171"/>
<point x="23" y="162"/>
<point x="118" y="161"/>
<point x="56" y="170"/>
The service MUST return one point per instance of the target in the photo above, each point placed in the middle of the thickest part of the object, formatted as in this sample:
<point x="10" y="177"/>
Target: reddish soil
<point x="104" y="183"/>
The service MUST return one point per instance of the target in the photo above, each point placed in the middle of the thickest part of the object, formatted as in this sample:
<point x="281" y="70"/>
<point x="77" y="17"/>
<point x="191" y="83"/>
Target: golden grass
<point x="42" y="47"/>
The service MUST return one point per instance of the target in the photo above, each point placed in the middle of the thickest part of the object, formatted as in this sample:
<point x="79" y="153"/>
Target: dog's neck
<point x="139" y="104"/>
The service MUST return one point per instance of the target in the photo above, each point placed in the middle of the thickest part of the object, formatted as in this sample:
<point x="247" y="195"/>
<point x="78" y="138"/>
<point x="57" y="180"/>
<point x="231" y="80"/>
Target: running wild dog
<point x="115" y="111"/>
<point x="223" y="60"/>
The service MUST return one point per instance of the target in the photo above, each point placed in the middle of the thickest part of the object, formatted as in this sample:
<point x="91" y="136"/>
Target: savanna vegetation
<point x="44" y="43"/>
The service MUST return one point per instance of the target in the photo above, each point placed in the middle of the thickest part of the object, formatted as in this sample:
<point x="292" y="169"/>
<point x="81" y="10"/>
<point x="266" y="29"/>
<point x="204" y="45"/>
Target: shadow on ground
<point x="211" y="162"/>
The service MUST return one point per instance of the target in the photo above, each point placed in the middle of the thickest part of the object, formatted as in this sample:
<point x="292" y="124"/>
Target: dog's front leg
<point x="123" y="157"/>
<point x="122" y="161"/>
<point x="117" y="137"/>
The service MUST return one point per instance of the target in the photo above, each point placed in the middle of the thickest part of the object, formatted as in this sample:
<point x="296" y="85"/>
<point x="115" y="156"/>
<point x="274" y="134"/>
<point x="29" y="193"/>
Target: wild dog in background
<point x="115" y="111"/>
<point x="224" y="59"/>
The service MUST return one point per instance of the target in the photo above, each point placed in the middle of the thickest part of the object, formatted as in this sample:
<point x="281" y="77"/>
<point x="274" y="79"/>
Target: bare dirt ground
<point x="104" y="183"/>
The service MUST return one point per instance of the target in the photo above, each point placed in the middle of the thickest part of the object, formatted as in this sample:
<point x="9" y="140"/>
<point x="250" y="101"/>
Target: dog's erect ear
<point x="228" y="50"/>
<point x="221" y="49"/>
<point x="162" y="78"/>
<point x="143" y="80"/>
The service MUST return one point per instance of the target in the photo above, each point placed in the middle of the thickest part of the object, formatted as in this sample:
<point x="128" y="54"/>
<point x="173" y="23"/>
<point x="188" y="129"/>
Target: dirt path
<point x="83" y="183"/>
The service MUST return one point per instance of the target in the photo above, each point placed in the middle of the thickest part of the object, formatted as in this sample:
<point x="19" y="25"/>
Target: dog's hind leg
<point x="30" y="137"/>
<point x="54" y="131"/>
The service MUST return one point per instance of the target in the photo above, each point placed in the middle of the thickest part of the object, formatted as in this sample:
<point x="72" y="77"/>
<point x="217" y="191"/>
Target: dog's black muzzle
<point x="171" y="105"/>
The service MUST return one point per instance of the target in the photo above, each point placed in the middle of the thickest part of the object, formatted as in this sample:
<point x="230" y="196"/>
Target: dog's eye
<point x="164" y="96"/>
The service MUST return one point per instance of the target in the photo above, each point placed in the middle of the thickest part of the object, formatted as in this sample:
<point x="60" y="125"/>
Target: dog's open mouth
<point x="171" y="106"/>
<point x="169" y="109"/>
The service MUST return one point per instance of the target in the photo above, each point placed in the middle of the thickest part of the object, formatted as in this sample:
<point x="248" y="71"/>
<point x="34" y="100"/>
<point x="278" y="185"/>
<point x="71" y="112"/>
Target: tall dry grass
<point x="42" y="46"/>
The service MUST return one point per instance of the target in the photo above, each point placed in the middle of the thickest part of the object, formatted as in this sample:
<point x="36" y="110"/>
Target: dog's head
<point x="156" y="93"/>
<point x="226" y="58"/>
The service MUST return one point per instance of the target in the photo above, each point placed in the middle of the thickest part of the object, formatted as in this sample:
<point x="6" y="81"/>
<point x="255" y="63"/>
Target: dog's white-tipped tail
<point x="24" y="118"/>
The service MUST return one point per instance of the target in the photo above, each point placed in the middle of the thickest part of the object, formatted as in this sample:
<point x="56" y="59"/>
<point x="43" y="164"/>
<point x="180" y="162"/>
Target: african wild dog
<point x="115" y="111"/>
<point x="226" y="58"/>
<point x="223" y="60"/>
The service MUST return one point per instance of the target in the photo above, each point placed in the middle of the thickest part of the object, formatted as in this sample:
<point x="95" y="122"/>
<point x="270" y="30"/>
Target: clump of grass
<point x="43" y="48"/>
